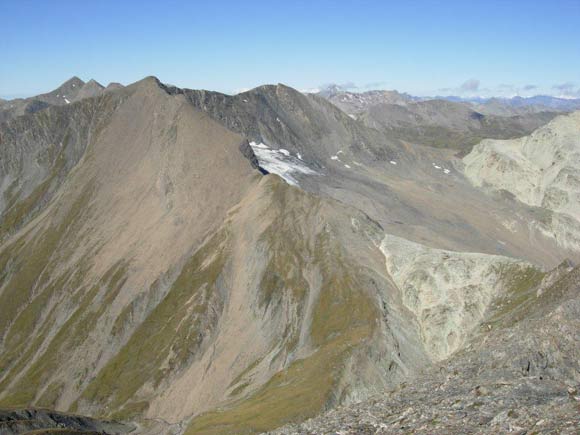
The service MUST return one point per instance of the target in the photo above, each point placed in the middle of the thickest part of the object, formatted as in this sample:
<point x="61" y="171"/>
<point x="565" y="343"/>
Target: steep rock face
<point x="448" y="291"/>
<point x="285" y="118"/>
<point x="541" y="170"/>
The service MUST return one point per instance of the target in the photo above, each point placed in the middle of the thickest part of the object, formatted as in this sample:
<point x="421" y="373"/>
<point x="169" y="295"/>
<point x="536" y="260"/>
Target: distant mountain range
<point x="339" y="96"/>
<point x="567" y="104"/>
<point x="448" y="122"/>
<point x="518" y="105"/>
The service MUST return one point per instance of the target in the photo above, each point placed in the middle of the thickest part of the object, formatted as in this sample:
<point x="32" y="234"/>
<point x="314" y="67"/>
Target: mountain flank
<point x="188" y="262"/>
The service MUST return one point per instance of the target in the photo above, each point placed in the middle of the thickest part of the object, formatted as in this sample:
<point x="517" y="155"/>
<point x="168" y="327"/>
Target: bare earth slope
<point x="150" y="273"/>
<point x="130" y="212"/>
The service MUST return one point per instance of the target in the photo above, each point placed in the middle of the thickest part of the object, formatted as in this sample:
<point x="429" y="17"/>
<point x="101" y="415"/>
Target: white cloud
<point x="471" y="85"/>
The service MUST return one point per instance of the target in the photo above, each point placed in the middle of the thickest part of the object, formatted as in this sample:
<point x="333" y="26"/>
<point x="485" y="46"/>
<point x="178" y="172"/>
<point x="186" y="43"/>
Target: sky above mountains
<point x="428" y="47"/>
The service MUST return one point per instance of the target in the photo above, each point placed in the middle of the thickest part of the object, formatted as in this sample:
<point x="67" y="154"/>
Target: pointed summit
<point x="149" y="83"/>
<point x="70" y="88"/>
<point x="91" y="88"/>
<point x="93" y="82"/>
<point x="64" y="94"/>
<point x="74" y="81"/>
<point x="114" y="85"/>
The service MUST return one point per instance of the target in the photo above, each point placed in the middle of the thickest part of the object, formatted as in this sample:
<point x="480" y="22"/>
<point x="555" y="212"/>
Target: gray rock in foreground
<point x="21" y="421"/>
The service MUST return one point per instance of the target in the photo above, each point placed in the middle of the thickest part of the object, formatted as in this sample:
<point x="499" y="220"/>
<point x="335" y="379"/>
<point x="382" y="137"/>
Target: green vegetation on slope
<point x="520" y="285"/>
<point x="344" y="317"/>
<point x="167" y="340"/>
<point x="69" y="337"/>
<point x="23" y="263"/>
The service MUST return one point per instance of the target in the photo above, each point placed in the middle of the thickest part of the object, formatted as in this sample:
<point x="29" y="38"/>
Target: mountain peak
<point x="91" y="88"/>
<point x="74" y="81"/>
<point x="93" y="82"/>
<point x="149" y="82"/>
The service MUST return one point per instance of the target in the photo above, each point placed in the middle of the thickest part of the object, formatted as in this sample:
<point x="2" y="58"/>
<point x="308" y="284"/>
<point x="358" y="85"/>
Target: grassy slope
<point x="344" y="318"/>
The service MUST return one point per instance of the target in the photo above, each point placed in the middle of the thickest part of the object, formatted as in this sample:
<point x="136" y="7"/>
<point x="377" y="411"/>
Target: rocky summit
<point x="179" y="261"/>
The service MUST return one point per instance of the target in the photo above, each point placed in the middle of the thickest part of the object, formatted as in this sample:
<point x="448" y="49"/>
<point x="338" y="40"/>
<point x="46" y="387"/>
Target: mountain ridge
<point x="163" y="261"/>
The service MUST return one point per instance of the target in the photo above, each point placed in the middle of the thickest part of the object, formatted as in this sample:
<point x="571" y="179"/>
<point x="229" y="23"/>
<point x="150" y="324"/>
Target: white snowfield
<point x="542" y="169"/>
<point x="280" y="162"/>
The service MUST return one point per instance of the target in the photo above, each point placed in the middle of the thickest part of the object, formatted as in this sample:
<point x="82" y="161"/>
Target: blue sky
<point x="423" y="47"/>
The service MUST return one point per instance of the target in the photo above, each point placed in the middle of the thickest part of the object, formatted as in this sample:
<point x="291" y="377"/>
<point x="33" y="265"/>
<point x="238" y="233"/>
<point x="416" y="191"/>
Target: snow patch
<point x="280" y="162"/>
<point x="445" y="170"/>
<point x="334" y="157"/>
<point x="299" y="156"/>
<point x="392" y="162"/>
<point x="259" y="145"/>
<point x="347" y="166"/>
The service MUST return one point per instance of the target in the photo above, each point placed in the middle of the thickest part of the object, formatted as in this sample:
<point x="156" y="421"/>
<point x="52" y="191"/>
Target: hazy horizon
<point x="323" y="87"/>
